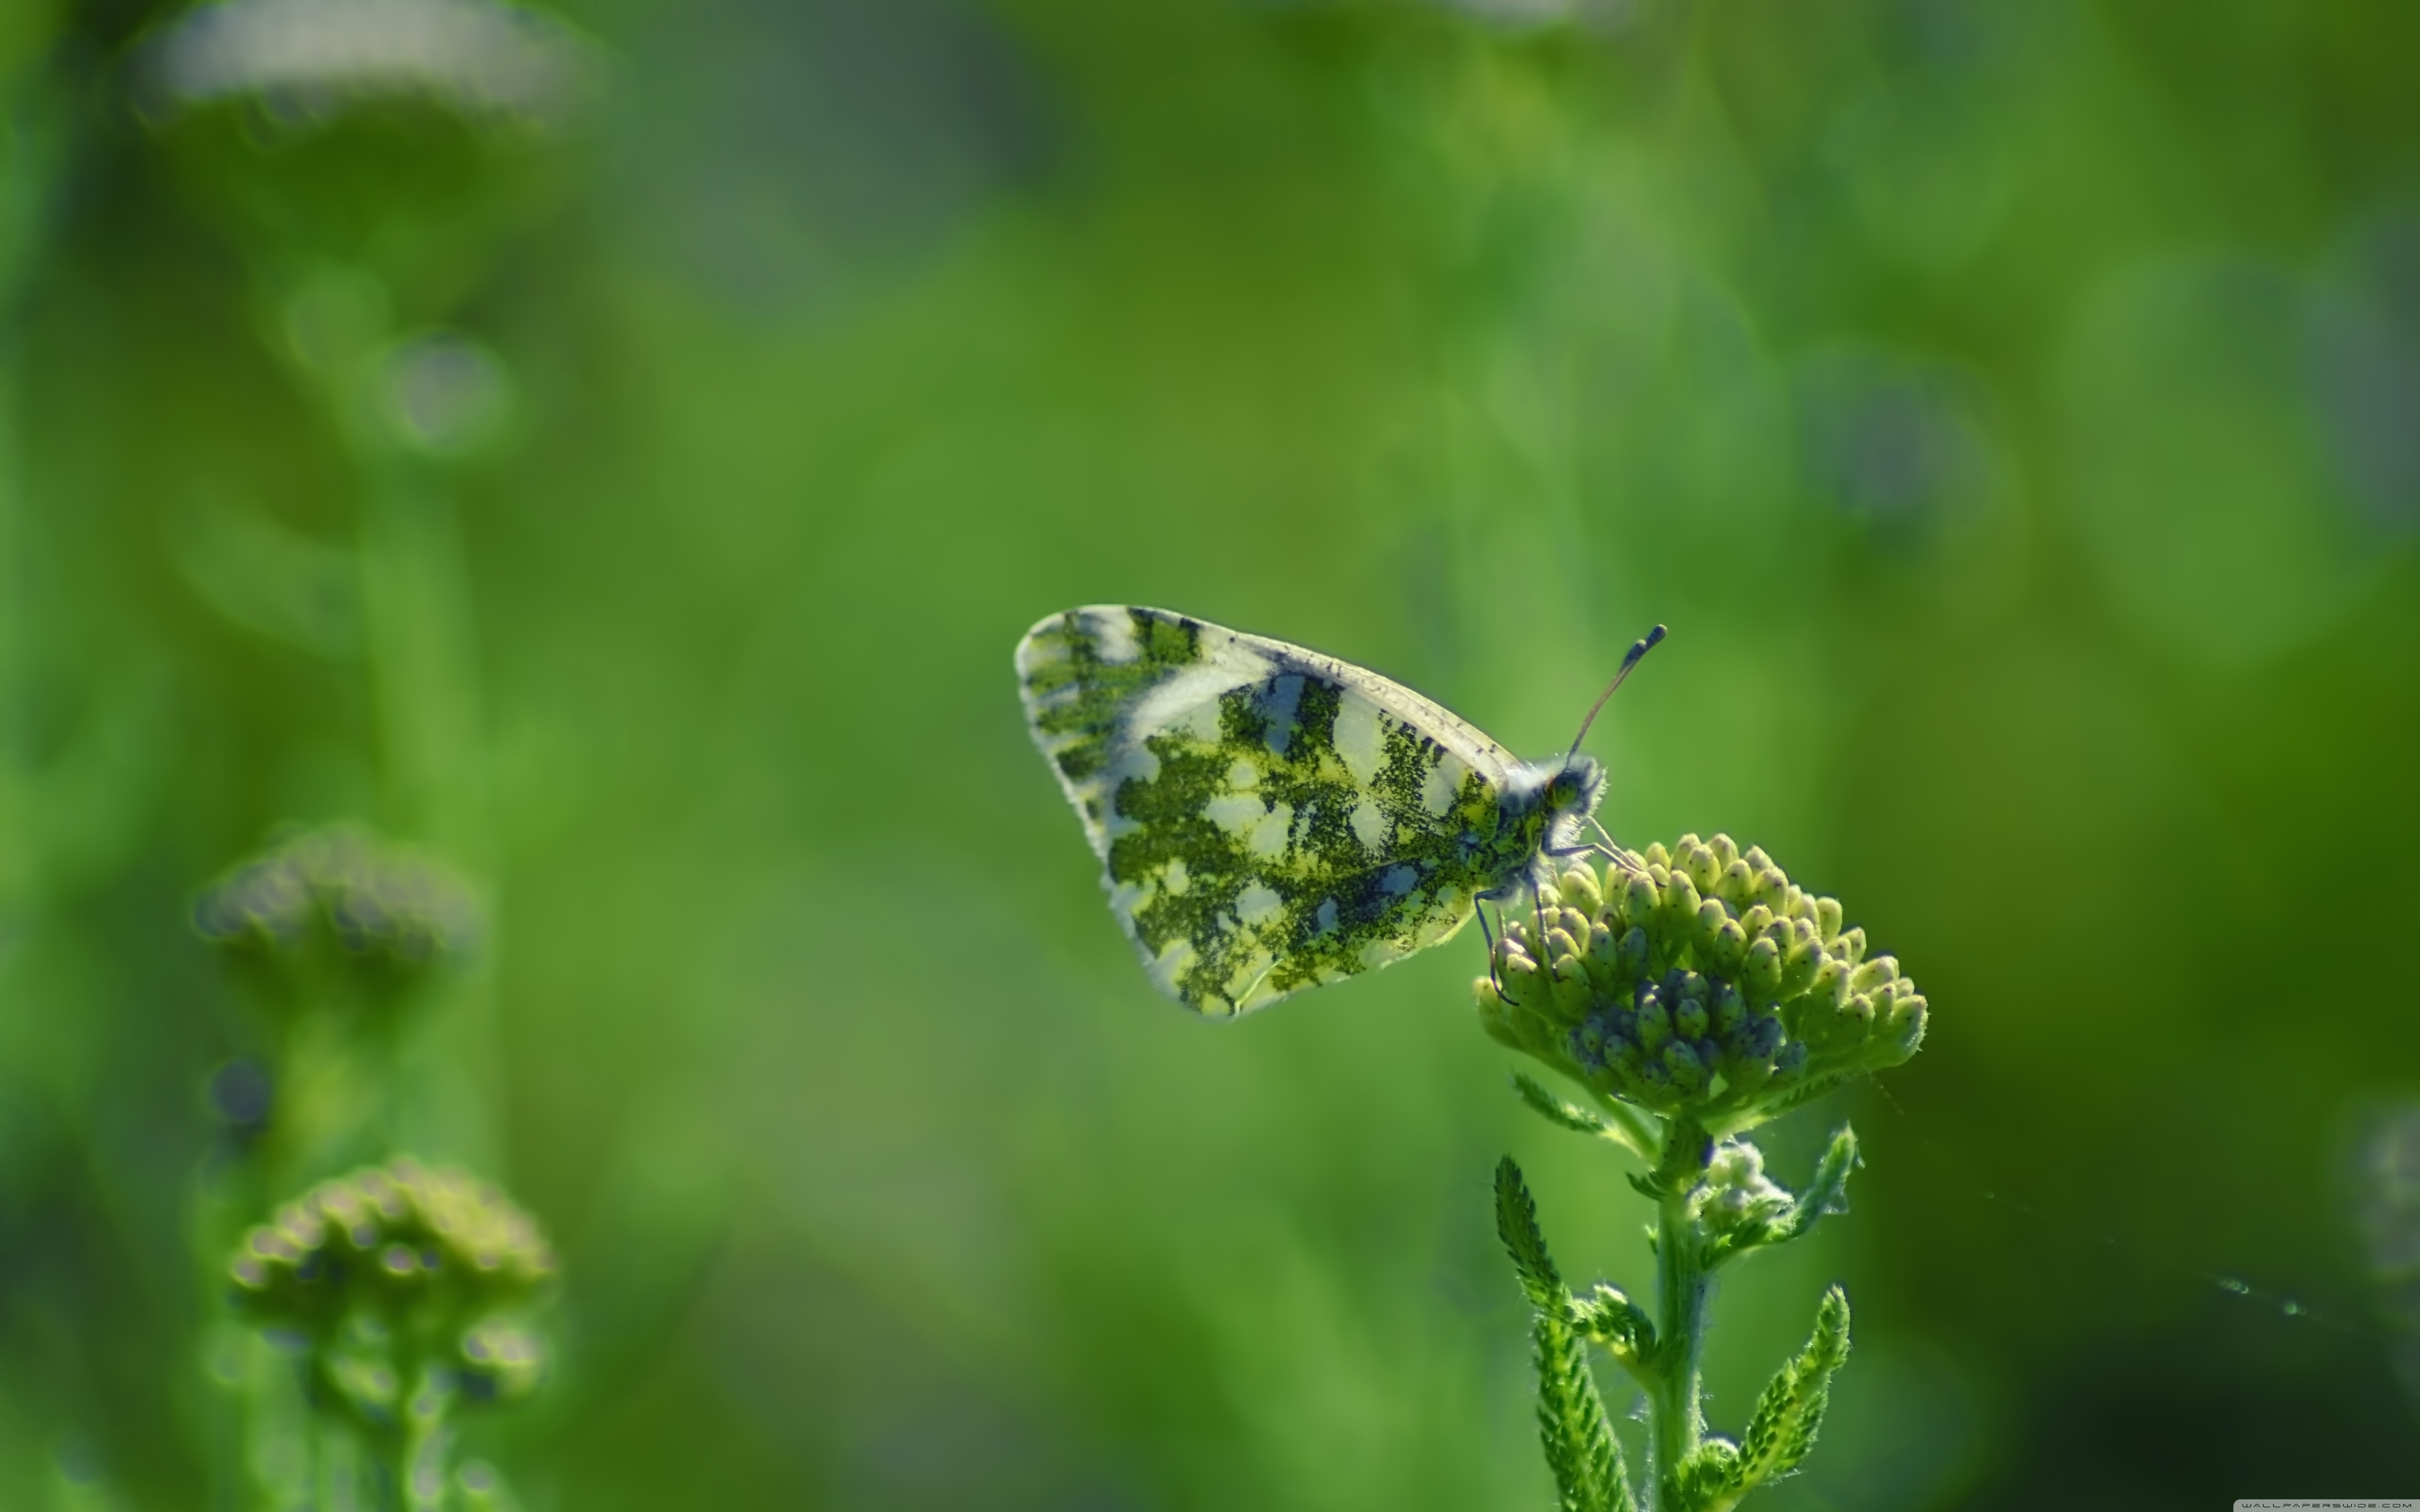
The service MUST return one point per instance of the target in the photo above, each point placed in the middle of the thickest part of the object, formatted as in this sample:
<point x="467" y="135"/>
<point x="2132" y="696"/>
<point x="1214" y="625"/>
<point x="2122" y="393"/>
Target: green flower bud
<point x="1773" y="890"/>
<point x="1827" y="919"/>
<point x="1849" y="946"/>
<point x="1830" y="984"/>
<point x="1726" y="1007"/>
<point x="1642" y="897"/>
<point x="1873" y="974"/>
<point x="1636" y="953"/>
<point x="1712" y="916"/>
<point x="1761" y="973"/>
<point x="1690" y="1019"/>
<point x="1801" y="959"/>
<point x="1571" y="988"/>
<point x="1654" y="1022"/>
<point x="1496" y="1015"/>
<point x="1680" y="904"/>
<point x="1728" y="949"/>
<point x="1901" y="1033"/>
<point x="1687" y="1071"/>
<point x="1604" y="953"/>
<point x="1578" y="886"/>
<point x="1519" y="976"/>
<point x="1736" y="886"/>
<point x="1699" y="865"/>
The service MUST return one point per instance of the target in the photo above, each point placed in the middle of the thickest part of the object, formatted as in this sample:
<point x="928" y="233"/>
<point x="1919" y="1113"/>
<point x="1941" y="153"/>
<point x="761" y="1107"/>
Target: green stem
<point x="424" y="667"/>
<point x="1683" y="1281"/>
<point x="420" y="1468"/>
<point x="1640" y="1134"/>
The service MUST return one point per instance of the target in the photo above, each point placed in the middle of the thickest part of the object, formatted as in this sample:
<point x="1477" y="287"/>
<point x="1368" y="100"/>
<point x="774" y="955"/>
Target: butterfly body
<point x="1269" y="818"/>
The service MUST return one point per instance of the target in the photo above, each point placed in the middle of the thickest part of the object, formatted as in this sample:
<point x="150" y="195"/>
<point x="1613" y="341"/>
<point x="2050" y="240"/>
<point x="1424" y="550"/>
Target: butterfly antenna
<point x="1638" y="650"/>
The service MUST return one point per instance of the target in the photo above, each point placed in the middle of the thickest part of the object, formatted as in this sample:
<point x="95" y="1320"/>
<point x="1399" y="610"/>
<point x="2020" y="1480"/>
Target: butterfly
<point x="1270" y="819"/>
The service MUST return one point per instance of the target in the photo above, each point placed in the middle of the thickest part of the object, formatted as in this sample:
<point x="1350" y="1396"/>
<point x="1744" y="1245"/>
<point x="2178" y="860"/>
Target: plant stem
<point x="1682" y="1283"/>
<point x="425" y="671"/>
<point x="420" y="1480"/>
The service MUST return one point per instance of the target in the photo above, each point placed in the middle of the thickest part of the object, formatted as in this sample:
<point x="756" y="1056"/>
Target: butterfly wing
<point x="1267" y="818"/>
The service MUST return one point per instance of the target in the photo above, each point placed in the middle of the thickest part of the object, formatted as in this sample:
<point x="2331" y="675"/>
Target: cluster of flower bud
<point x="1735" y="1196"/>
<point x="1700" y="978"/>
<point x="400" y="1260"/>
<point x="340" y="885"/>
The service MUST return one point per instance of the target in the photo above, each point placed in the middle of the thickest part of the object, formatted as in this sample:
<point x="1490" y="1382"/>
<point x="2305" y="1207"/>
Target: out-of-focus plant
<point x="371" y="162"/>
<point x="1694" y="992"/>
<point x="336" y="935"/>
<point x="2388" y="1177"/>
<point x="384" y="1304"/>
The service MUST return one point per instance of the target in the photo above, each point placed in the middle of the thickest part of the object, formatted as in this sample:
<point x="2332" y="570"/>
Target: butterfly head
<point x="1548" y="801"/>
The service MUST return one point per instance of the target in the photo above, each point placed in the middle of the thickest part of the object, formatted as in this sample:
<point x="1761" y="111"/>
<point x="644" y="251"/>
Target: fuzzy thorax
<point x="1549" y="802"/>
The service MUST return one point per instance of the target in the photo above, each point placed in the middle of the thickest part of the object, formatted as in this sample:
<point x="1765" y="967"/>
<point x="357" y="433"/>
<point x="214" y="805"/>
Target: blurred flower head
<point x="400" y="1268"/>
<point x="1703" y="981"/>
<point x="341" y="887"/>
<point x="2388" y="1179"/>
<point x="306" y="59"/>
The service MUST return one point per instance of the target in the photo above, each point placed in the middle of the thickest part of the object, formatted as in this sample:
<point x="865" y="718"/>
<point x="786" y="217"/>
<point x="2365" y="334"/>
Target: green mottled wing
<point x="1267" y="818"/>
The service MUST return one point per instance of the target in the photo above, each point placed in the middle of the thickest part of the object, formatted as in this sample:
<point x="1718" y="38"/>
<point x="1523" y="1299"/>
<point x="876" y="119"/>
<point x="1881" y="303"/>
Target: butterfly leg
<point x="1478" y="909"/>
<point x="1627" y="860"/>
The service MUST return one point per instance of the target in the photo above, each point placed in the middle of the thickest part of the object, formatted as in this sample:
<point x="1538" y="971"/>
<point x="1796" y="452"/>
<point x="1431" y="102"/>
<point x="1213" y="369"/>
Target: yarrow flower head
<point x="1699" y="980"/>
<point x="341" y="887"/>
<point x="397" y="1271"/>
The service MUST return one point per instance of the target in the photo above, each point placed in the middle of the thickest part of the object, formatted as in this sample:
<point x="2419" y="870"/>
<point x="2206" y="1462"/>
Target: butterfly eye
<point x="1558" y="792"/>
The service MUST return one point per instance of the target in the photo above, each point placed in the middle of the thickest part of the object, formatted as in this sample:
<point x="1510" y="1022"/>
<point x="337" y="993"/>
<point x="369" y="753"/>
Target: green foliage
<point x="1580" y="1448"/>
<point x="1714" y="1204"/>
<point x="1782" y="1430"/>
<point x="1607" y="1317"/>
<point x="1561" y="1114"/>
<point x="1516" y="1224"/>
<point x="1998" y="401"/>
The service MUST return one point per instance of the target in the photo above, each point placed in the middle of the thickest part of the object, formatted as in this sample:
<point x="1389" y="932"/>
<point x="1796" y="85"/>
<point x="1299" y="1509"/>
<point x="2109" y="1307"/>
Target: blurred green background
<point x="2014" y="409"/>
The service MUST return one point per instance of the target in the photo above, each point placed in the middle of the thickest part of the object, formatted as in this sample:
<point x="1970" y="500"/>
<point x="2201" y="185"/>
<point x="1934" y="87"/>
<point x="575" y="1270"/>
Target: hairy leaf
<point x="1792" y="1408"/>
<point x="1516" y="1224"/>
<point x="1578" y="1441"/>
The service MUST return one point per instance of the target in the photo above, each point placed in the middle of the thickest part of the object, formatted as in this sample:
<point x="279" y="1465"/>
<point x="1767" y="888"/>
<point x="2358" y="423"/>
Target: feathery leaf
<point x="1516" y="1224"/>
<point x="1572" y="1426"/>
<point x="1792" y="1408"/>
